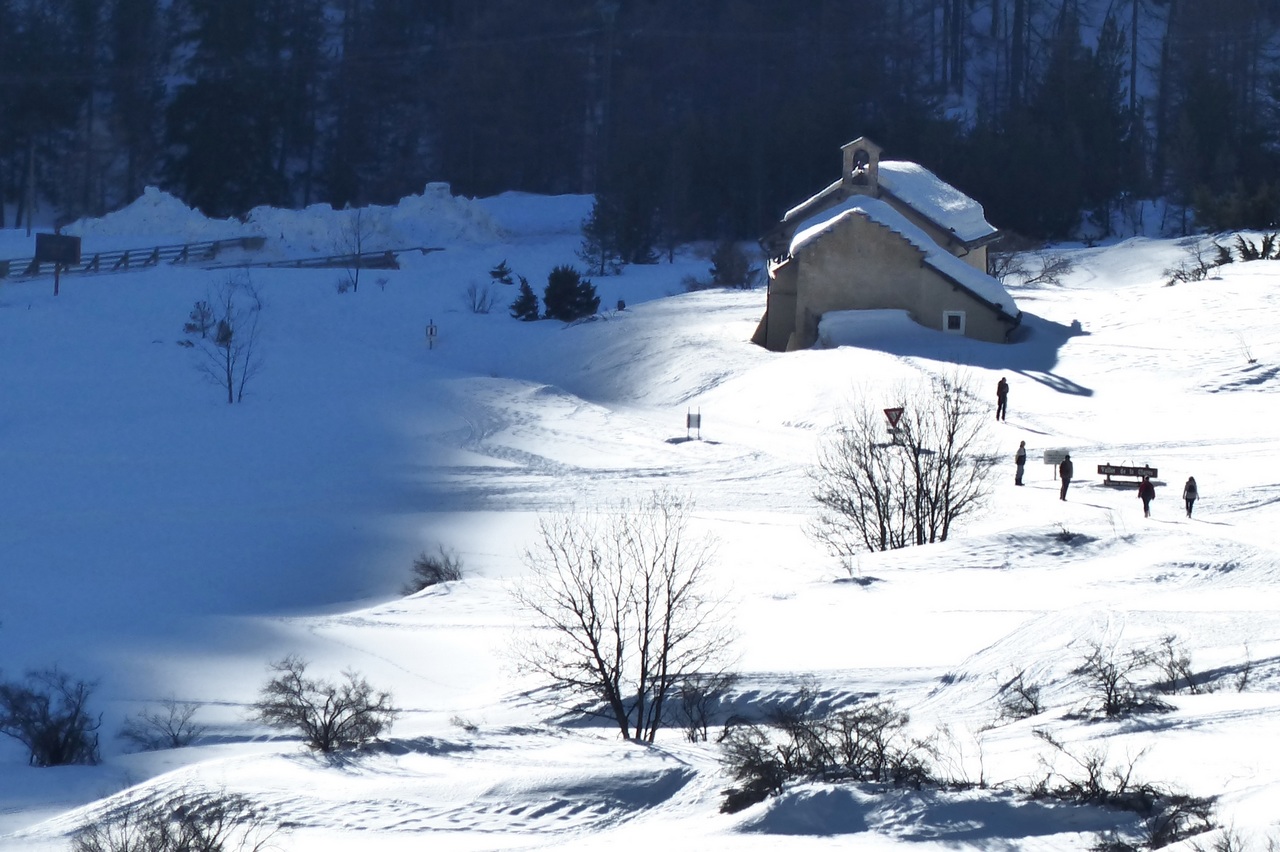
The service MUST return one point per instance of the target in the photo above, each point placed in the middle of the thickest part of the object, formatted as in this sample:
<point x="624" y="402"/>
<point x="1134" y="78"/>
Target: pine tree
<point x="569" y="296"/>
<point x="525" y="306"/>
<point x="501" y="273"/>
<point x="599" y="245"/>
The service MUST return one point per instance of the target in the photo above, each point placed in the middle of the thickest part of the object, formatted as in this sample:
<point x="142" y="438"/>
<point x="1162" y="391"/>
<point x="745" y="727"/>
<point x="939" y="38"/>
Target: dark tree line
<point x="704" y="119"/>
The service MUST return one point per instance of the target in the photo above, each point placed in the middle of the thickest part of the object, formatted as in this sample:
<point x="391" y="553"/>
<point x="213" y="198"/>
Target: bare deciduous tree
<point x="625" y="619"/>
<point x="352" y="239"/>
<point x="329" y="715"/>
<point x="228" y="341"/>
<point x="49" y="715"/>
<point x="882" y="492"/>
<point x="171" y="726"/>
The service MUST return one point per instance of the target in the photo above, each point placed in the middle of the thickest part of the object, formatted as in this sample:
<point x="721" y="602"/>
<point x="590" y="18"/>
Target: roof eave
<point x="977" y="242"/>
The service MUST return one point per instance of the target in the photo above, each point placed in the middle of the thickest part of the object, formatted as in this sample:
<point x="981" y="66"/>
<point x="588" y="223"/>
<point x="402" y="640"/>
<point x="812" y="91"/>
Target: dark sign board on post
<point x="59" y="249"/>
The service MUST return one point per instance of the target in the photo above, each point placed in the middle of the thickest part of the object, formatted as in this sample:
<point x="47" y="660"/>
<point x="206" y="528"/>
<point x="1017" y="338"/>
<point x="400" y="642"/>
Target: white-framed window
<point x="953" y="322"/>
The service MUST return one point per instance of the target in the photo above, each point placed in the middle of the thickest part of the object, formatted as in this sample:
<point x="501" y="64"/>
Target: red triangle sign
<point x="894" y="415"/>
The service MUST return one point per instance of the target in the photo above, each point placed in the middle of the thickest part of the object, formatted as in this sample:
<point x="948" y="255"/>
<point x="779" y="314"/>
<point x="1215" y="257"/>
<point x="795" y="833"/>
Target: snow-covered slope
<point x="164" y="544"/>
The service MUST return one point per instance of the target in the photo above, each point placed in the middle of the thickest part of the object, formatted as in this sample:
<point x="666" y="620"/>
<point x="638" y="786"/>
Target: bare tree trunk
<point x="1017" y="53"/>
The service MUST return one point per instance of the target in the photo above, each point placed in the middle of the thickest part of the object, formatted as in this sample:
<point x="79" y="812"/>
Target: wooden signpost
<point x="60" y="250"/>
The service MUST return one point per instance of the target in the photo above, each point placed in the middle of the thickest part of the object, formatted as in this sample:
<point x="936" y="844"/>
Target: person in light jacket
<point x="1190" y="493"/>
<point x="1146" y="493"/>
<point x="1019" y="462"/>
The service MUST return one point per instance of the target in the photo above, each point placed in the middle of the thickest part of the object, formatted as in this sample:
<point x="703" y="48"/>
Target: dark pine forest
<point x="699" y="119"/>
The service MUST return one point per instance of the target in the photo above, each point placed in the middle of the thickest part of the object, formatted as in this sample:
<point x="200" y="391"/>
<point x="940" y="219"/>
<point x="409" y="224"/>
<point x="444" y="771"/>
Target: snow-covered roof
<point x="935" y="199"/>
<point x="935" y="256"/>
<point x="794" y="211"/>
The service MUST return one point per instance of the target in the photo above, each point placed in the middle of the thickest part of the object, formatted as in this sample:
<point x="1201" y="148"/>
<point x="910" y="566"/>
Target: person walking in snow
<point x="1190" y="493"/>
<point x="1065" y="470"/>
<point x="1020" y="462"/>
<point x="1146" y="493"/>
<point x="1002" y="398"/>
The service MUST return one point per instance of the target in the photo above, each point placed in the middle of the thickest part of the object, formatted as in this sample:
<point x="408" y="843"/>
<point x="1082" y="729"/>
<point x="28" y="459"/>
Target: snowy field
<point x="164" y="544"/>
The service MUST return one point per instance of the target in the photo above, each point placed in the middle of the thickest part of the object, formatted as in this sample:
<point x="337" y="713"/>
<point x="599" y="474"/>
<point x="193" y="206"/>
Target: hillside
<point x="162" y="543"/>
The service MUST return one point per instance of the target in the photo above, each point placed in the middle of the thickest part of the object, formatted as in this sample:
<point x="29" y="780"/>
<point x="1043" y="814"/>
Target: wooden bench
<point x="1135" y="471"/>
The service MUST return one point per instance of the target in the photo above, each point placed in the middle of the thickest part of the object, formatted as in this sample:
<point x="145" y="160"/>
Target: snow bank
<point x="436" y="217"/>
<point x="156" y="213"/>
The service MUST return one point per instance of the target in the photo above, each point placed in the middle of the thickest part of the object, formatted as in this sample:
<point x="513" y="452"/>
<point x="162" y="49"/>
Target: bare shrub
<point x="465" y="724"/>
<point x="1020" y="260"/>
<point x="1201" y="259"/>
<point x="1245" y="671"/>
<point x="1018" y="698"/>
<point x="329" y="715"/>
<point x="200" y="321"/>
<point x="171" y="726"/>
<point x="756" y="765"/>
<point x="188" y="821"/>
<point x="865" y="743"/>
<point x="431" y="569"/>
<point x="479" y="299"/>
<point x="48" y="714"/>
<point x="1178" y="817"/>
<point x="1094" y="781"/>
<point x="1170" y="817"/>
<point x="1007" y="258"/>
<point x="1174" y="663"/>
<point x="1111" y="842"/>
<point x="698" y="695"/>
<point x="1230" y="840"/>
<point x="1109" y="675"/>
<point x="1046" y="268"/>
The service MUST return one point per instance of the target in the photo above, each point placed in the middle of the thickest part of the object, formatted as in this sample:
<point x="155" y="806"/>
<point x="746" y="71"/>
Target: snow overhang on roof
<point x="813" y="199"/>
<point x="936" y="200"/>
<point x="976" y="281"/>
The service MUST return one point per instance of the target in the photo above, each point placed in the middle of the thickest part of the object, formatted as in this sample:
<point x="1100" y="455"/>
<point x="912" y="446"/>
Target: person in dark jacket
<point x="1065" y="470"/>
<point x="1146" y="493"/>
<point x="1190" y="493"/>
<point x="1002" y="398"/>
<point x="1020" y="462"/>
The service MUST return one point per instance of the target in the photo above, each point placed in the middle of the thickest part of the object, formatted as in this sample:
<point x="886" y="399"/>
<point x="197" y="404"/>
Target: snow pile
<point x="436" y="218"/>
<point x="160" y="218"/>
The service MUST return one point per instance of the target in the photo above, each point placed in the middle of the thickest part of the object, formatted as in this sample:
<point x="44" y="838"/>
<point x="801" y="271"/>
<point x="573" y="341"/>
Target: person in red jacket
<point x="1146" y="493"/>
